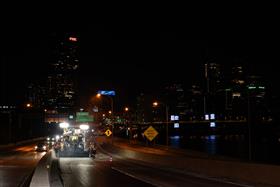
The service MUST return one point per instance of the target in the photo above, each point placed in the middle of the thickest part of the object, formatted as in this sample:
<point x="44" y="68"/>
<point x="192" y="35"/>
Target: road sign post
<point x="150" y="133"/>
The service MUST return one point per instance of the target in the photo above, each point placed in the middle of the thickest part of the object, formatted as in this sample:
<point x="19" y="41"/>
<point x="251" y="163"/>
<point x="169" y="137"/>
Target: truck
<point x="75" y="143"/>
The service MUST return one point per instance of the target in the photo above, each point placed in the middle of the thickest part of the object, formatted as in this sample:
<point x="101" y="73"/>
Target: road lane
<point x="94" y="172"/>
<point x="17" y="164"/>
<point x="128" y="172"/>
<point x="142" y="166"/>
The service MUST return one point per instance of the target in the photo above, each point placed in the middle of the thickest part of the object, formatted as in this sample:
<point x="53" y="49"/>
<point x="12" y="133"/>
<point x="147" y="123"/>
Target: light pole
<point x="155" y="104"/>
<point x="111" y="102"/>
<point x="111" y="112"/>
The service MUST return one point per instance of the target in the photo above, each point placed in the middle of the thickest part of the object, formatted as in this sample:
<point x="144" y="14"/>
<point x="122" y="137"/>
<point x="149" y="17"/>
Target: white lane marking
<point x="225" y="181"/>
<point x="189" y="174"/>
<point x="135" y="177"/>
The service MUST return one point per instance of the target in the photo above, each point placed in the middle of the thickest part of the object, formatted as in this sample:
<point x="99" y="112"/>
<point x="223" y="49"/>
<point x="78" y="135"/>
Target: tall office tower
<point x="237" y="101"/>
<point x="213" y="85"/>
<point x="62" y="79"/>
<point x="213" y="78"/>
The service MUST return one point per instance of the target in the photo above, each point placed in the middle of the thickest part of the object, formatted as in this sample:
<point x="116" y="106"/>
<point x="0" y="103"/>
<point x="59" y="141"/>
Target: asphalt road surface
<point x="16" y="164"/>
<point x="114" y="170"/>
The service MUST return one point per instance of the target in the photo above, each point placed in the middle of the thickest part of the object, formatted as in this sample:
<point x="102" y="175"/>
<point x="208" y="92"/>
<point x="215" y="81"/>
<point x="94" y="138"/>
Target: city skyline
<point x="131" y="66"/>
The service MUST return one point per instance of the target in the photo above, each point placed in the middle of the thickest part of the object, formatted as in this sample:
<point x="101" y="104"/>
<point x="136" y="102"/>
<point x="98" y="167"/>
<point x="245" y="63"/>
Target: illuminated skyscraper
<point x="62" y="79"/>
<point x="236" y="97"/>
<point x="213" y="78"/>
<point x="213" y="85"/>
<point x="238" y="81"/>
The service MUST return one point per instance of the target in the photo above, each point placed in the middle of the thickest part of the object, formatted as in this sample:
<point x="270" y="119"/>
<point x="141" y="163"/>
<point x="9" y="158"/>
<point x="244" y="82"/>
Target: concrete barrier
<point x="47" y="172"/>
<point x="41" y="173"/>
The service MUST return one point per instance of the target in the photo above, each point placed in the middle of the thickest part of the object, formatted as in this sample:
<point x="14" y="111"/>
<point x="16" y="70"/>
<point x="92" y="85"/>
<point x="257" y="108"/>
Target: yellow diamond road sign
<point x="108" y="132"/>
<point x="150" y="133"/>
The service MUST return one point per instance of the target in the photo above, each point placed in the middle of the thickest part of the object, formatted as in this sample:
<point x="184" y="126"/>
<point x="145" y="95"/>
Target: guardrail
<point x="47" y="172"/>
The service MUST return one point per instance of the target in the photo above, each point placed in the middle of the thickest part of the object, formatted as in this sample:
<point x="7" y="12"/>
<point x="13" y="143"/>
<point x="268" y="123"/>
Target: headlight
<point x="35" y="147"/>
<point x="44" y="147"/>
<point x="48" y="139"/>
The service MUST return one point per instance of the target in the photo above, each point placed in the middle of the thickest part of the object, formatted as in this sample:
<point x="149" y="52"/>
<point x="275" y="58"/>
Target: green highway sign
<point x="84" y="117"/>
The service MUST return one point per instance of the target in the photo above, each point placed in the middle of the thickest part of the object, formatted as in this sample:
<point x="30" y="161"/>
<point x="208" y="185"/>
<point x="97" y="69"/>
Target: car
<point x="41" y="147"/>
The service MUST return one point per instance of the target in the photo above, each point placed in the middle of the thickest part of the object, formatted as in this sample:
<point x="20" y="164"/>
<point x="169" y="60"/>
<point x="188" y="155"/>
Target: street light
<point x="111" y="100"/>
<point x="110" y="112"/>
<point x="64" y="125"/>
<point x="126" y="109"/>
<point x="155" y="104"/>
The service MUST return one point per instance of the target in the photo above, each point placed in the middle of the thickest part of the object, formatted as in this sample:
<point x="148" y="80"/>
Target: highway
<point x="16" y="164"/>
<point x="113" y="168"/>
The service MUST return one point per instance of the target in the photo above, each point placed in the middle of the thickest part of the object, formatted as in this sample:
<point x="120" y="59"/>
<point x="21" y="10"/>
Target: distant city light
<point x="252" y="87"/>
<point x="212" y="116"/>
<point x="212" y="124"/>
<point x="126" y="109"/>
<point x="155" y="103"/>
<point x="236" y="94"/>
<point x="206" y="117"/>
<point x="174" y="118"/>
<point x="28" y="105"/>
<point x="176" y="125"/>
<point x="73" y="39"/>
<point x="212" y="137"/>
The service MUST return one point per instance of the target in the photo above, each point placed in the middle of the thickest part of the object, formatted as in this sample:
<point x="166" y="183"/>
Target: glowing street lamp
<point x="126" y="109"/>
<point x="155" y="104"/>
<point x="110" y="112"/>
<point x="64" y="125"/>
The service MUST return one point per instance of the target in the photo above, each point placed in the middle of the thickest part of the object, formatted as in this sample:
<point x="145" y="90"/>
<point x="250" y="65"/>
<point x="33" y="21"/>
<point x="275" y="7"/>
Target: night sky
<point x="130" y="60"/>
